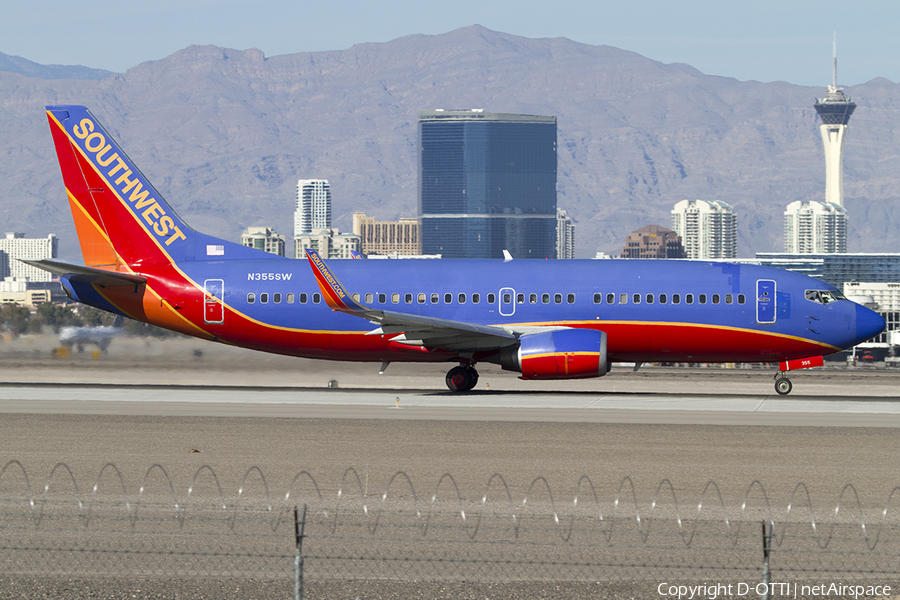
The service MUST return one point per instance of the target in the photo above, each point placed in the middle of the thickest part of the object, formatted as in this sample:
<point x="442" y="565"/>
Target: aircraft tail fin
<point x="122" y="222"/>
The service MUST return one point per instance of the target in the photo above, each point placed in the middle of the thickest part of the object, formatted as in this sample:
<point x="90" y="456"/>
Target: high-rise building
<point x="834" y="110"/>
<point x="708" y="228"/>
<point x="487" y="183"/>
<point x="653" y="241"/>
<point x="17" y="246"/>
<point x="313" y="210"/>
<point x="388" y="237"/>
<point x="565" y="235"/>
<point x="263" y="238"/>
<point x="815" y="227"/>
<point x="329" y="243"/>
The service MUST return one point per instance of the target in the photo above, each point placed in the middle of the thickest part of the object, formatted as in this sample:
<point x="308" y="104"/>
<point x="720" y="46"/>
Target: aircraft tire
<point x="460" y="379"/>
<point x="473" y="379"/>
<point x="783" y="386"/>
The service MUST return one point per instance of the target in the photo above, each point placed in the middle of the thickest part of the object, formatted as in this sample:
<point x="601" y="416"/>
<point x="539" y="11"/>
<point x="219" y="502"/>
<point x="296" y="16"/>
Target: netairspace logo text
<point x="711" y="591"/>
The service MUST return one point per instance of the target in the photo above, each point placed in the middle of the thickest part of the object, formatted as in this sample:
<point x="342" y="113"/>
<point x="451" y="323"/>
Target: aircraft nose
<point x="868" y="323"/>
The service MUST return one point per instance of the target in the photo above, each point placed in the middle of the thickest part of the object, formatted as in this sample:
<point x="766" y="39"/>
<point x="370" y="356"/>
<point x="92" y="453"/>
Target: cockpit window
<point x="824" y="296"/>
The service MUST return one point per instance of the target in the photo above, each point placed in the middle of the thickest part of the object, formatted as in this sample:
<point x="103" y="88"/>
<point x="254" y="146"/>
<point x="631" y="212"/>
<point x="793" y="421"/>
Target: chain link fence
<point x="108" y="541"/>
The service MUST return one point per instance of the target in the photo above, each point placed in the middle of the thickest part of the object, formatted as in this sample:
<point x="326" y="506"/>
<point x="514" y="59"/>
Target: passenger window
<point x="520" y="299"/>
<point x="461" y="298"/>
<point x="545" y="298"/>
<point x="557" y="298"/>
<point x="598" y="298"/>
<point x="476" y="298"/>
<point x="303" y="298"/>
<point x="408" y="298"/>
<point x="420" y="298"/>
<point x="290" y="298"/>
<point x="491" y="298"/>
<point x="570" y="299"/>
<point x="448" y="298"/>
<point x="623" y="298"/>
<point x="507" y="298"/>
<point x="532" y="298"/>
<point x="741" y="299"/>
<point x="636" y="298"/>
<point x="676" y="298"/>
<point x="369" y="298"/>
<point x="382" y="298"/>
<point x="251" y="298"/>
<point x="702" y="299"/>
<point x="355" y="297"/>
<point x="729" y="298"/>
<point x="649" y="298"/>
<point x="689" y="298"/>
<point x="395" y="298"/>
<point x="276" y="298"/>
<point x="264" y="298"/>
<point x="663" y="298"/>
<point x="316" y="298"/>
<point x="435" y="298"/>
<point x="715" y="298"/>
<point x="610" y="298"/>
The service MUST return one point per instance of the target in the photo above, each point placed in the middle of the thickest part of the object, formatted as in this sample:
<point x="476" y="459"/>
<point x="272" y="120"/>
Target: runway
<point x="153" y="402"/>
<point x="702" y="407"/>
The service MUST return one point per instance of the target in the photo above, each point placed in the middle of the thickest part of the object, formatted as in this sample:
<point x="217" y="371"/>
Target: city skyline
<point x="757" y="156"/>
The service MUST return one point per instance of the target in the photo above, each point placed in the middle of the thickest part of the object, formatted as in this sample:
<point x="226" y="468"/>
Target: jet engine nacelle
<point x="558" y="354"/>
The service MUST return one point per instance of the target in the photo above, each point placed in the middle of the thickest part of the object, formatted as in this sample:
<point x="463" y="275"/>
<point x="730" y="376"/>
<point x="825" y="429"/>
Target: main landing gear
<point x="462" y="378"/>
<point x="783" y="385"/>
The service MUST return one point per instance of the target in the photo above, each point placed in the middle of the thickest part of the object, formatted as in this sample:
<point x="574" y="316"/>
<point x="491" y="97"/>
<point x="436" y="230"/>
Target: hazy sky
<point x="765" y="40"/>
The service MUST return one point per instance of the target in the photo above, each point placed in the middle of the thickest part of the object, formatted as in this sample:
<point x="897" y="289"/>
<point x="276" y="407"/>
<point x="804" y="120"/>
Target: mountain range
<point x="224" y="135"/>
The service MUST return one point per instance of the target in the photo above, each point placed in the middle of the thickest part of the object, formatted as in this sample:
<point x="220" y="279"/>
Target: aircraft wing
<point x="409" y="329"/>
<point x="98" y="276"/>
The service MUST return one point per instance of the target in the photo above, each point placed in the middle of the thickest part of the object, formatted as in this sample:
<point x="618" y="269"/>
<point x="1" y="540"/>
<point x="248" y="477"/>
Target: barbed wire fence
<point x="401" y="543"/>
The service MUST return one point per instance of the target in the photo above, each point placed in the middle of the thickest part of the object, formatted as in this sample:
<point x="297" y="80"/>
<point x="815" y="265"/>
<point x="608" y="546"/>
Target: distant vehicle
<point x="565" y="319"/>
<point x="79" y="337"/>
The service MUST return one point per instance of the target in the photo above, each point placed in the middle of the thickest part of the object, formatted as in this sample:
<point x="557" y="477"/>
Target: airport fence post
<point x="299" y="524"/>
<point x="767" y="547"/>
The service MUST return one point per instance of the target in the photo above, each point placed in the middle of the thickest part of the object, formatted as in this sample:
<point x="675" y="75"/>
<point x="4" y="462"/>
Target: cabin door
<point x="213" y="309"/>
<point x="765" y="301"/>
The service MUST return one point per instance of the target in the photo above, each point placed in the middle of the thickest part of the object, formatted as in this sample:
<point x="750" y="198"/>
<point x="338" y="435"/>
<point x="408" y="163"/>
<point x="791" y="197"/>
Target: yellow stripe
<point x="562" y="353"/>
<point x="598" y="325"/>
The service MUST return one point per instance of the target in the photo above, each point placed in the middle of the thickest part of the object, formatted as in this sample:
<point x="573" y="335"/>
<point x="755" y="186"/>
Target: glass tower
<point x="487" y="183"/>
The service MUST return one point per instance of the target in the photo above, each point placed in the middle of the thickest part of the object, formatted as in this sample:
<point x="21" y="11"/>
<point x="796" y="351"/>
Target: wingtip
<point x="336" y="296"/>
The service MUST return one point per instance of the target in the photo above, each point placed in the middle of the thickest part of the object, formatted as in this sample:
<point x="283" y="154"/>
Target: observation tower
<point x="834" y="110"/>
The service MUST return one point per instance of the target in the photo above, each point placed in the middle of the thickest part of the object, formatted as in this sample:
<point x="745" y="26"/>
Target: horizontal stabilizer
<point x="98" y="276"/>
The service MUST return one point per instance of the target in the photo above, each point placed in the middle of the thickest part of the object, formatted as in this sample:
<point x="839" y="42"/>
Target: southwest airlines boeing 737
<point x="545" y="319"/>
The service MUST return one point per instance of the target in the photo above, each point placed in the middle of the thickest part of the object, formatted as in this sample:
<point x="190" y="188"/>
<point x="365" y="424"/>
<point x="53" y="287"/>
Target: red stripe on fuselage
<point x="631" y="341"/>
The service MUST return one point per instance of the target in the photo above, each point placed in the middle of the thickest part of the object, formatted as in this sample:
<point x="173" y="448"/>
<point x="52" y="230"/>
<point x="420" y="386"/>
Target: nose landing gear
<point x="783" y="385"/>
<point x="462" y="378"/>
